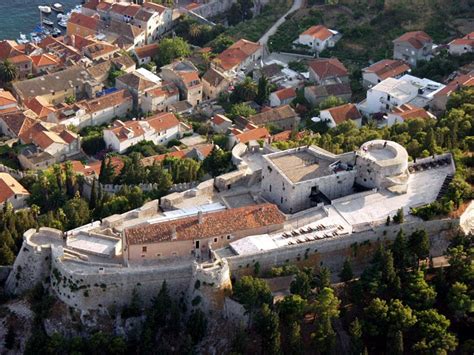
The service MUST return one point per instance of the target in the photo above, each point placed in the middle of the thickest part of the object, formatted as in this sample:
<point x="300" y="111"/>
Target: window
<point x="215" y="240"/>
<point x="228" y="237"/>
<point x="144" y="249"/>
<point x="158" y="255"/>
<point x="270" y="188"/>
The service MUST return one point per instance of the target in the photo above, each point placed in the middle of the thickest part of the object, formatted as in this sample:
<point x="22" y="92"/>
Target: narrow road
<point x="297" y="4"/>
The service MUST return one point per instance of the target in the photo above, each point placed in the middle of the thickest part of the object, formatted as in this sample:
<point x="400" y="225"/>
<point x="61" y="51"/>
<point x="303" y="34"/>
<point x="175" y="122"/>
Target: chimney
<point x="200" y="217"/>
<point x="174" y="234"/>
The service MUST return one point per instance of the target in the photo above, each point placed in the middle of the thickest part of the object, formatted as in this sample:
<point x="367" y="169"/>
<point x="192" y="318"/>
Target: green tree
<point x="346" y="273"/>
<point x="419" y="245"/>
<point x="263" y="90"/>
<point x="323" y="279"/>
<point x="357" y="343"/>
<point x="291" y="308"/>
<point x="77" y="212"/>
<point x="400" y="251"/>
<point x="8" y="71"/>
<point x="395" y="343"/>
<point x="267" y="326"/>
<point x="197" y="325"/>
<point x="107" y="171"/>
<point x="301" y="285"/>
<point x="158" y="175"/>
<point x="417" y="293"/>
<point x="252" y="293"/>
<point x="241" y="109"/>
<point x="460" y="301"/>
<point x="6" y="255"/>
<point x="172" y="48"/>
<point x="244" y="91"/>
<point x="399" y="218"/>
<point x="432" y="333"/>
<point x="331" y="101"/>
<point x="133" y="171"/>
<point x="218" y="162"/>
<point x="294" y="343"/>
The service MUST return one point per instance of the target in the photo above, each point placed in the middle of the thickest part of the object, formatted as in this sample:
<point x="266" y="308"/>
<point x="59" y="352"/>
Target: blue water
<point x="23" y="15"/>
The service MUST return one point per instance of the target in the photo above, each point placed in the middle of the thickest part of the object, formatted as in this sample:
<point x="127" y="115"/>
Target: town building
<point x="462" y="45"/>
<point x="160" y="98"/>
<point x="383" y="69"/>
<point x="11" y="191"/>
<point x="316" y="94"/>
<point x="138" y="82"/>
<point x="240" y="57"/>
<point x="461" y="81"/>
<point x="318" y="38"/>
<point x="282" y="97"/>
<point x="327" y="71"/>
<point x="412" y="47"/>
<point x="404" y="112"/>
<point x="214" y="83"/>
<point x="186" y="77"/>
<point x="8" y="102"/>
<point x="82" y="25"/>
<point x="336" y="115"/>
<point x="146" y="53"/>
<point x="283" y="117"/>
<point x="159" y="129"/>
<point x="220" y="124"/>
<point x="392" y="92"/>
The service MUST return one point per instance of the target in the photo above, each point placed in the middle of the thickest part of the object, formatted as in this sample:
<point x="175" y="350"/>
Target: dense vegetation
<point x="400" y="304"/>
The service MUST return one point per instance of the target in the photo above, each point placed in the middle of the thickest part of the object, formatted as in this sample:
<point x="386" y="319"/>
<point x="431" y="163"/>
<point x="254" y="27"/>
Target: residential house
<point x="319" y="93"/>
<point x="11" y="191"/>
<point x="283" y="117"/>
<point x="272" y="72"/>
<point x="186" y="77"/>
<point x="13" y="124"/>
<point x="82" y="25"/>
<point x="146" y="53"/>
<point x="412" y="47"/>
<point x="138" y="82"/>
<point x="336" y="115"/>
<point x="45" y="63"/>
<point x="318" y="38"/>
<point x="8" y="102"/>
<point x="214" y="83"/>
<point x="159" y="129"/>
<point x="100" y="50"/>
<point x="383" y="69"/>
<point x="404" y="112"/>
<point x="127" y="36"/>
<point x="392" y="92"/>
<point x="61" y="48"/>
<point x="40" y="106"/>
<point x="74" y="81"/>
<point x="442" y="96"/>
<point x="462" y="45"/>
<point x="23" y="64"/>
<point x="327" y="70"/>
<point x="105" y="108"/>
<point x="282" y="97"/>
<point x="253" y="134"/>
<point x="220" y="124"/>
<point x="241" y="56"/>
<point x="155" y="19"/>
<point x="160" y="98"/>
<point x="48" y="145"/>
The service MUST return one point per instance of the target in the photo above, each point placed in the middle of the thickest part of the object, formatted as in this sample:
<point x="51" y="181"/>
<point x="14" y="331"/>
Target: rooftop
<point x="301" y="164"/>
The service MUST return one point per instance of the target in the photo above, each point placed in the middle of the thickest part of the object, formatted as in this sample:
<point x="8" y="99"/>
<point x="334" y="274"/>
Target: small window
<point x="144" y="249"/>
<point x="228" y="237"/>
<point x="215" y="240"/>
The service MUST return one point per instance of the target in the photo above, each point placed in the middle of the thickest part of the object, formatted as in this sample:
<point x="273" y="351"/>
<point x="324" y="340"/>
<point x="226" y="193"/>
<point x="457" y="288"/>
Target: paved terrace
<point x="423" y="188"/>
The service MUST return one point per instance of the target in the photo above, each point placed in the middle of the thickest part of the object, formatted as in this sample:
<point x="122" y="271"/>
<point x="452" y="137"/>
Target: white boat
<point x="62" y="24"/>
<point x="48" y="22"/>
<point x="58" y="7"/>
<point x="23" y="39"/>
<point x="44" y="9"/>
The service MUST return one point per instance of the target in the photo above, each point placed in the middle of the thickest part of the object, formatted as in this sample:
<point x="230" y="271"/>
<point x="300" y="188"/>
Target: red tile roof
<point x="237" y="53"/>
<point x="9" y="187"/>
<point x="89" y="22"/>
<point x="407" y="111"/>
<point x="18" y="122"/>
<point x="253" y="134"/>
<point x="220" y="119"/>
<point x="285" y="94"/>
<point x="213" y="224"/>
<point x="344" y="112"/>
<point x="454" y="85"/>
<point x="328" y="68"/>
<point x="388" y="68"/>
<point x="40" y="106"/>
<point x="163" y="121"/>
<point x="6" y="98"/>
<point x="148" y="51"/>
<point x="416" y="38"/>
<point x="110" y="100"/>
<point x="320" y="32"/>
<point x="45" y="60"/>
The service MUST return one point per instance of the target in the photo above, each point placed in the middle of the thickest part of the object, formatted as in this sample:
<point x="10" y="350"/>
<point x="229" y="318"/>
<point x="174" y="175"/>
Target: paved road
<point x="297" y="4"/>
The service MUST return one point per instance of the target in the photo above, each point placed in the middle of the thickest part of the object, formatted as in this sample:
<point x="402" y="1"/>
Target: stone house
<point x="11" y="191"/>
<point x="282" y="97"/>
<point x="186" y="77"/>
<point x="160" y="99"/>
<point x="214" y="82"/>
<point x="412" y="47"/>
<point x="318" y="38"/>
<point x="327" y="70"/>
<point x="336" y="115"/>
<point x="283" y="117"/>
<point x="383" y="69"/>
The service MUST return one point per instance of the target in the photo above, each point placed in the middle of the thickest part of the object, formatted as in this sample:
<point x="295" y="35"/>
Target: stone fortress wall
<point x="86" y="285"/>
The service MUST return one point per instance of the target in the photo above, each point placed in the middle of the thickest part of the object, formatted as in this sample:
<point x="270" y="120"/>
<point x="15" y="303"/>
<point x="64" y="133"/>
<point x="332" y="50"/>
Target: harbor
<point x="37" y="20"/>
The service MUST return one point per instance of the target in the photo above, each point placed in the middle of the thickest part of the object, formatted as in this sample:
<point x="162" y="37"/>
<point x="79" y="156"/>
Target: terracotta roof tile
<point x="9" y="187"/>
<point x="388" y="68"/>
<point x="150" y="50"/>
<point x="89" y="22"/>
<point x="163" y="121"/>
<point x="320" y="32"/>
<point x="40" y="106"/>
<point x="253" y="134"/>
<point x="344" y="113"/>
<point x="237" y="53"/>
<point x="6" y="98"/>
<point x="328" y="68"/>
<point x="106" y="101"/>
<point x="213" y="224"/>
<point x="416" y="38"/>
<point x="285" y="94"/>
<point x="273" y="115"/>
<point x="18" y="122"/>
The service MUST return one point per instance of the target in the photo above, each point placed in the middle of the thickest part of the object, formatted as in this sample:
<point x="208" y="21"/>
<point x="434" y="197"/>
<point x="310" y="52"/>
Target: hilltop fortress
<point x="304" y="205"/>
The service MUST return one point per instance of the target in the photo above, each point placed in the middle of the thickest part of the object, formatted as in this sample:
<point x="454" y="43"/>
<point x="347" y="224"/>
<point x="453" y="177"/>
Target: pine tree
<point x="357" y="344"/>
<point x="400" y="251"/>
<point x="263" y="90"/>
<point x="93" y="197"/>
<point x="346" y="273"/>
<point x="395" y="343"/>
